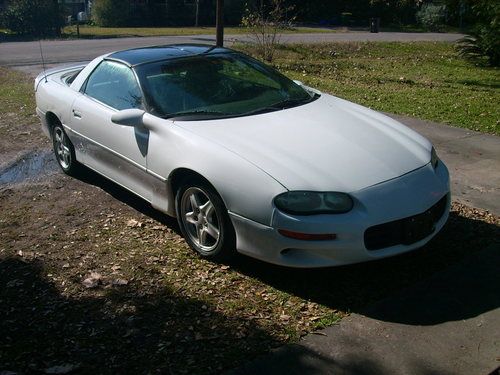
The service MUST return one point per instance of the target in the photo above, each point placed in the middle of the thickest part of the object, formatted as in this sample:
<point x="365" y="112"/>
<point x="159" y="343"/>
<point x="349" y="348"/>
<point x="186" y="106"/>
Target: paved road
<point x="25" y="54"/>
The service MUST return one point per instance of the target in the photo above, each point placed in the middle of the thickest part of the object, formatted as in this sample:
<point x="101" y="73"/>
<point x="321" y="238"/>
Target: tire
<point x="64" y="151"/>
<point x="204" y="221"/>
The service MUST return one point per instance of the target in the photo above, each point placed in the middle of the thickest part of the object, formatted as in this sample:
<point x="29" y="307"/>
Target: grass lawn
<point x="422" y="79"/>
<point x="106" y="32"/>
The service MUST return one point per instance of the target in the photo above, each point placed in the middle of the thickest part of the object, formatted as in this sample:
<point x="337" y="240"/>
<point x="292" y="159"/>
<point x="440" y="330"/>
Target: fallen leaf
<point x="93" y="280"/>
<point x="119" y="282"/>
<point x="134" y="223"/>
<point x="319" y="333"/>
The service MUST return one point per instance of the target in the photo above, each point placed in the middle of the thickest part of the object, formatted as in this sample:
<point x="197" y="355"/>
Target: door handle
<point x="77" y="114"/>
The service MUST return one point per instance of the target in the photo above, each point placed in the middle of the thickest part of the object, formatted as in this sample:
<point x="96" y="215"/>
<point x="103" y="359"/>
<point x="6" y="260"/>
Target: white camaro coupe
<point x="245" y="158"/>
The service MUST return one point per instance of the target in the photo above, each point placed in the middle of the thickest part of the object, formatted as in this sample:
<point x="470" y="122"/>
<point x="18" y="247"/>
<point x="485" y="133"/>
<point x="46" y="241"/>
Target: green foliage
<point x="111" y="13"/>
<point x="431" y="16"/>
<point x="355" y="12"/>
<point x="33" y="17"/>
<point x="483" y="42"/>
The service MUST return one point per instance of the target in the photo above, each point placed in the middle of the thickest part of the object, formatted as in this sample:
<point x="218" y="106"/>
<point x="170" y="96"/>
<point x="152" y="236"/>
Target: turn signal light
<point x="307" y="236"/>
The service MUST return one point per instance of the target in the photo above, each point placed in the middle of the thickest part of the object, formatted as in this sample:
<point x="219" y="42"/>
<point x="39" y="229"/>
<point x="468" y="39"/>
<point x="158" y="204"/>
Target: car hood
<point x="329" y="144"/>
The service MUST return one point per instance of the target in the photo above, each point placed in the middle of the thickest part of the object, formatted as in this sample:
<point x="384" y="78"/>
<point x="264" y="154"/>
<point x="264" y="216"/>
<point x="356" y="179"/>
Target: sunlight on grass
<point x="422" y="79"/>
<point x="16" y="93"/>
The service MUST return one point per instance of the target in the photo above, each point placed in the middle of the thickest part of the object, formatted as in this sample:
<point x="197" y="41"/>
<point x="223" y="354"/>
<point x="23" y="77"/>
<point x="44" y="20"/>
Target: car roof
<point x="143" y="55"/>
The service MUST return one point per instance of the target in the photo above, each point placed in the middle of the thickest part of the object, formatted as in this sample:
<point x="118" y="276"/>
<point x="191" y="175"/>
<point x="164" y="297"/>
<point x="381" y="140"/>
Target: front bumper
<point x="402" y="197"/>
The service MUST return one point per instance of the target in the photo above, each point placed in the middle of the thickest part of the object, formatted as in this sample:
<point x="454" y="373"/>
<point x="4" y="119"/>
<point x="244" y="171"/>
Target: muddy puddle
<point x="30" y="167"/>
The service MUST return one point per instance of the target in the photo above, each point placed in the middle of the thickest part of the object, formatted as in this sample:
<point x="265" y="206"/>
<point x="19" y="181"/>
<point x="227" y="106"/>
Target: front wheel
<point x="204" y="221"/>
<point x="64" y="151"/>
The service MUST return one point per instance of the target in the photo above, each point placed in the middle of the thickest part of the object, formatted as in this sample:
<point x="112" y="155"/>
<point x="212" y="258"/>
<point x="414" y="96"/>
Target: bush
<point x="431" y="16"/>
<point x="483" y="42"/>
<point x="111" y="13"/>
<point x="33" y="17"/>
<point x="264" y="25"/>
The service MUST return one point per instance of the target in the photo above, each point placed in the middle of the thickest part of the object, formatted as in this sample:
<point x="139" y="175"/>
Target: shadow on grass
<point x="476" y="82"/>
<point x="353" y="288"/>
<point x="90" y="177"/>
<point x="115" y="330"/>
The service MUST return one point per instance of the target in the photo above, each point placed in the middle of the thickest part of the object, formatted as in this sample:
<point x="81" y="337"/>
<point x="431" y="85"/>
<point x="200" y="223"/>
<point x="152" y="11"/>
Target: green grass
<point x="421" y="79"/>
<point x="16" y="92"/>
<point x="110" y="32"/>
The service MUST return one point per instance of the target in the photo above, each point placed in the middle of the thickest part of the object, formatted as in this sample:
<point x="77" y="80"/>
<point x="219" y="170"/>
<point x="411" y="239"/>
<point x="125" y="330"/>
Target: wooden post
<point x="197" y="12"/>
<point x="219" y="23"/>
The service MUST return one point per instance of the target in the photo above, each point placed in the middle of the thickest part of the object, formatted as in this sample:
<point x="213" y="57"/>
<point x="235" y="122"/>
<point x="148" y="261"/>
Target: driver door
<point x="116" y="151"/>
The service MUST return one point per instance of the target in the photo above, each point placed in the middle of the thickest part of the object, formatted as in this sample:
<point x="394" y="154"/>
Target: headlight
<point x="434" y="158"/>
<point x="313" y="203"/>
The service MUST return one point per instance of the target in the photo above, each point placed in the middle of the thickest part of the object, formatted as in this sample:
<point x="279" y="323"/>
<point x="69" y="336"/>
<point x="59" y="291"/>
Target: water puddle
<point x="32" y="166"/>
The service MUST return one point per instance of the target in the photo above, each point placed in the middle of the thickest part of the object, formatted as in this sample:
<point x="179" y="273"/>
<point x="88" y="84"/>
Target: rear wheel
<point x="64" y="151"/>
<point x="204" y="221"/>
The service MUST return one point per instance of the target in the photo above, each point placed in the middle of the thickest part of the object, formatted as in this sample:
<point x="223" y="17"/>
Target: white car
<point x="245" y="158"/>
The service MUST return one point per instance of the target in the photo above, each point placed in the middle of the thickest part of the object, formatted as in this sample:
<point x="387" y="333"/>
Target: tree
<point x="33" y="17"/>
<point x="431" y="16"/>
<point x="111" y="13"/>
<point x="220" y="23"/>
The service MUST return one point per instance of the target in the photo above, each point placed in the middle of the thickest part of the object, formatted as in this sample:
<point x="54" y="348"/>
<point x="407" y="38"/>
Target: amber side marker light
<point x="307" y="236"/>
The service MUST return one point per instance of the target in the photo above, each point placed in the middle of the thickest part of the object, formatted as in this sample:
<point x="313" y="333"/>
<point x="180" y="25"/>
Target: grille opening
<point x="405" y="231"/>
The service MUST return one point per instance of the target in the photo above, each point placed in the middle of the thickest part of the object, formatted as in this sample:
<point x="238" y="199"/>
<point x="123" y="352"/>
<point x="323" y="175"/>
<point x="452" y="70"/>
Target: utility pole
<point x="219" y="23"/>
<point x="197" y="12"/>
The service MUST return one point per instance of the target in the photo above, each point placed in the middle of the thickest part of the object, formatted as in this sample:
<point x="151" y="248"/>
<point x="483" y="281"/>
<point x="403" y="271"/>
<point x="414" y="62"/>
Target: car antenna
<point x="43" y="62"/>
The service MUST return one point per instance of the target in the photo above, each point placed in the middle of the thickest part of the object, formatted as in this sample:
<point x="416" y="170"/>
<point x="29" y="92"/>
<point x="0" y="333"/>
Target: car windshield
<point x="217" y="86"/>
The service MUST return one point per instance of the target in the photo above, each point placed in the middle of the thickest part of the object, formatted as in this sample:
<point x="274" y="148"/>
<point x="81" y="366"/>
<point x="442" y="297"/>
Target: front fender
<point x="245" y="189"/>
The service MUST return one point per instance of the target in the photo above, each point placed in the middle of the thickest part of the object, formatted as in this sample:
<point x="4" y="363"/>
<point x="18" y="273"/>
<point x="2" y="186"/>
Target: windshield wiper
<point x="288" y="103"/>
<point x="284" y="104"/>
<point x="198" y="112"/>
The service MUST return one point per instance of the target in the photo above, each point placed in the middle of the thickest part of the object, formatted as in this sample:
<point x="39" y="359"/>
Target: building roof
<point x="142" y="55"/>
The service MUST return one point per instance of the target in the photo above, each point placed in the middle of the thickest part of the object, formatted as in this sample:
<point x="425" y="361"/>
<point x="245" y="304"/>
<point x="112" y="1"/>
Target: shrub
<point x="483" y="42"/>
<point x="431" y="16"/>
<point x="111" y="13"/>
<point x="33" y="17"/>
<point x="264" y="26"/>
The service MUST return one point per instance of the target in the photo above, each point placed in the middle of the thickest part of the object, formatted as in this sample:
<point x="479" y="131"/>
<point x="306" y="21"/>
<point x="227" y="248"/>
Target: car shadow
<point x="88" y="176"/>
<point x="299" y="359"/>
<point x="408" y="285"/>
<point x="450" y="279"/>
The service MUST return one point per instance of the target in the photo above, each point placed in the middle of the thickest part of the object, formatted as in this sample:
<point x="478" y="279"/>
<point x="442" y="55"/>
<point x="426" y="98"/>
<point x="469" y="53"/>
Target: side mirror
<point x="128" y="117"/>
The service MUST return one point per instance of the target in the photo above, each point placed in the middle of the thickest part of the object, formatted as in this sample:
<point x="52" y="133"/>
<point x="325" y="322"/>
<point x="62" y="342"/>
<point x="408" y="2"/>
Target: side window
<point x="114" y="84"/>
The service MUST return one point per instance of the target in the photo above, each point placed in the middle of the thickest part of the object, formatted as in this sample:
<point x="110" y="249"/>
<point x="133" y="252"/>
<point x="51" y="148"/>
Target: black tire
<point x="218" y="249"/>
<point x="64" y="151"/>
